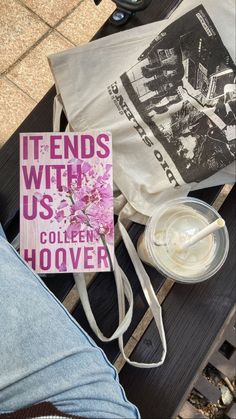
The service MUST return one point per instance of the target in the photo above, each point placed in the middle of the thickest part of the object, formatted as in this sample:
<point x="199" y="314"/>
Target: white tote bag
<point x="166" y="91"/>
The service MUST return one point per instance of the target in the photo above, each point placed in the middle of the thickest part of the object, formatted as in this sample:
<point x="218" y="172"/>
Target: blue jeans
<point x="45" y="355"/>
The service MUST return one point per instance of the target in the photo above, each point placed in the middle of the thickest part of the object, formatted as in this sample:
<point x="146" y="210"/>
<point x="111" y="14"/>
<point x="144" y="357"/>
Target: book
<point x="66" y="201"/>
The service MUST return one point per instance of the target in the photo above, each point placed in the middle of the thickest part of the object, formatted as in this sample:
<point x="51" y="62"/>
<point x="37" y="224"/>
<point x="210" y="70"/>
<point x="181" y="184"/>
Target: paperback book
<point x="66" y="201"/>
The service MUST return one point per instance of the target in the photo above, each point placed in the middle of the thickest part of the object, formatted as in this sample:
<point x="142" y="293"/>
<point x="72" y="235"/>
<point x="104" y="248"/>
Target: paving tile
<point x="19" y="30"/>
<point x="33" y="74"/>
<point x="51" y="10"/>
<point x="232" y="412"/>
<point x="189" y="411"/>
<point x="85" y="21"/>
<point x="14" y="108"/>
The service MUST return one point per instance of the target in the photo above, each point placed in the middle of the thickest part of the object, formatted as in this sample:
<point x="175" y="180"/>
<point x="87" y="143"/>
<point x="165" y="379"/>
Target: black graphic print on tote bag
<point x="183" y="88"/>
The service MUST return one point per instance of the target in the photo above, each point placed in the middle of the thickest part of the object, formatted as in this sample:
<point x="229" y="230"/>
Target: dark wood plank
<point x="208" y="194"/>
<point x="226" y="366"/>
<point x="222" y="359"/>
<point x="207" y="389"/>
<point x="59" y="284"/>
<point x="102" y="292"/>
<point x="12" y="228"/>
<point x="193" y="315"/>
<point x="230" y="332"/>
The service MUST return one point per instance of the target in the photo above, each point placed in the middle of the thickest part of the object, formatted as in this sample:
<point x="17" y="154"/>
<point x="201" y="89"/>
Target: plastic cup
<point x="170" y="226"/>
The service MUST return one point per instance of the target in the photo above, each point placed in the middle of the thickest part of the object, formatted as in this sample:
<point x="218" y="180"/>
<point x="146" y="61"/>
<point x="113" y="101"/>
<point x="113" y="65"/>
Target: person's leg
<point x="46" y="355"/>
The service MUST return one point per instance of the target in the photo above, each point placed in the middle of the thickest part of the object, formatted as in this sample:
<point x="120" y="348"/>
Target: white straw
<point x="216" y="225"/>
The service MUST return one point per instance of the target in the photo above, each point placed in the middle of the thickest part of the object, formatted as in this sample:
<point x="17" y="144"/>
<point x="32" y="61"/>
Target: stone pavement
<point x="30" y="30"/>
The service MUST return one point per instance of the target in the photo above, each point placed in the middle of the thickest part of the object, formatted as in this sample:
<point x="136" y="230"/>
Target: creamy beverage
<point x="172" y="225"/>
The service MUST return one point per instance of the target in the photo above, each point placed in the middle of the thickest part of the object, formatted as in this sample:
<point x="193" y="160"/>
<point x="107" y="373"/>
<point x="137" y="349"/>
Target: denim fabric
<point x="46" y="355"/>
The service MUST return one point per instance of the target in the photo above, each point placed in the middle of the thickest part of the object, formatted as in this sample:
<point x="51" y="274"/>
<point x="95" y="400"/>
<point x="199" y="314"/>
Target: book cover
<point x="66" y="201"/>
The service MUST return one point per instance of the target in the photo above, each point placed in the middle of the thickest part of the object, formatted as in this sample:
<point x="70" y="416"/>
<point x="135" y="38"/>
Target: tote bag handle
<point x="147" y="288"/>
<point x="123" y="290"/>
<point x="128" y="212"/>
<point x="57" y="112"/>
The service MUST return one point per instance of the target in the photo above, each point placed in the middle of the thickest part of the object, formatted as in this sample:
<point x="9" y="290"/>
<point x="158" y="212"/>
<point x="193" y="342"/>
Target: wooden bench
<point x="193" y="315"/>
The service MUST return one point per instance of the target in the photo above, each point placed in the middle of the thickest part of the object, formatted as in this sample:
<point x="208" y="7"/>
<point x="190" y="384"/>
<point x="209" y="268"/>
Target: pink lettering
<point x="25" y="148"/>
<point x="87" y="146"/>
<point x="75" y="258"/>
<point x="30" y="259"/>
<point x="87" y="257"/>
<point x="60" y="257"/>
<point x="49" y="212"/>
<point x="45" y="259"/>
<point x="74" y="172"/>
<point x="36" y="139"/>
<point x="101" y="139"/>
<point x="33" y="177"/>
<point x="55" y="146"/>
<point x="42" y="238"/>
<point x="71" y="148"/>
<point x="29" y="211"/>
<point x="102" y="257"/>
<point x="59" y="168"/>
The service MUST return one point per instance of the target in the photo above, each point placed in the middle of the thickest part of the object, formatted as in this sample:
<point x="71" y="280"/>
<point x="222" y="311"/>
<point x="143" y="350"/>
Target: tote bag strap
<point x="148" y="290"/>
<point x="57" y="111"/>
<point x="123" y="290"/>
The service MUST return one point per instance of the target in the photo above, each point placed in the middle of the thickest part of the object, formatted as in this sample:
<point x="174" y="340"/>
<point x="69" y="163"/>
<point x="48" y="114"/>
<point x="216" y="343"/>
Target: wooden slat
<point x="208" y="194"/>
<point x="13" y="227"/>
<point x="142" y="325"/>
<point x="207" y="389"/>
<point x="193" y="315"/>
<point x="59" y="284"/>
<point x="230" y="332"/>
<point x="226" y="366"/>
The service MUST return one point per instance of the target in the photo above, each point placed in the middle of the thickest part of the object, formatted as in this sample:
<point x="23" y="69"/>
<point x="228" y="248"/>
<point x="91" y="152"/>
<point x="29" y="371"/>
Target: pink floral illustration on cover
<point x="88" y="207"/>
